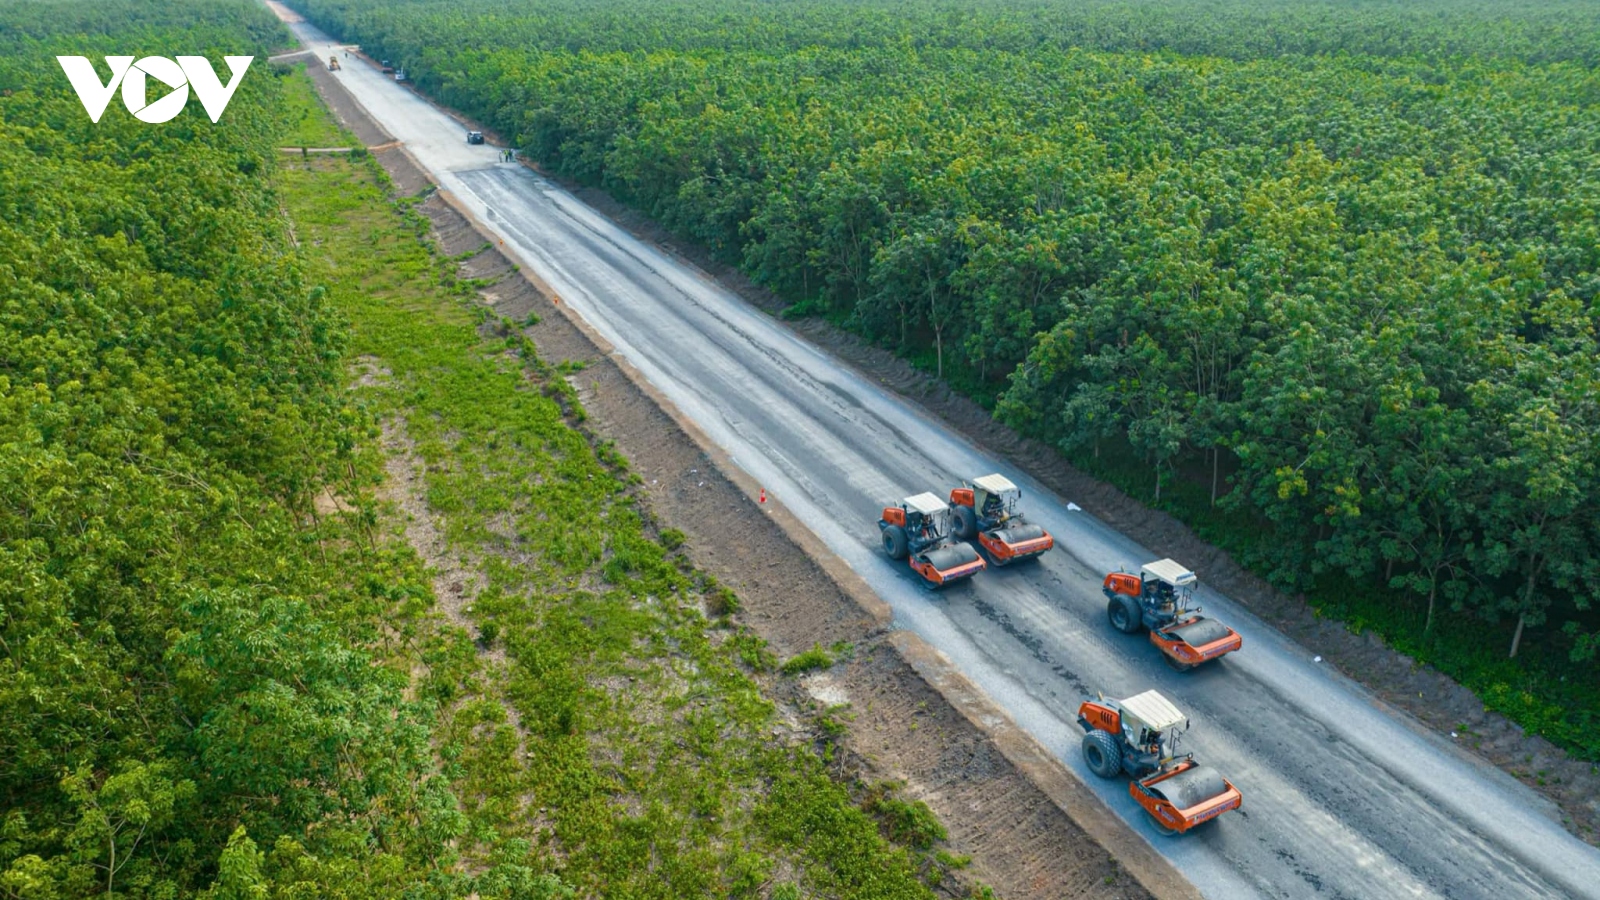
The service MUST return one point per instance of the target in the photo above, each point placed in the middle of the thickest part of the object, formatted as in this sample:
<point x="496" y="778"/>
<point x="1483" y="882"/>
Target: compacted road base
<point x="1343" y="798"/>
<point x="1029" y="828"/>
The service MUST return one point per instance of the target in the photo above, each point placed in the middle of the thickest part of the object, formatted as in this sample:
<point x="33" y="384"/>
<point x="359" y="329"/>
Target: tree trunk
<point x="1433" y="591"/>
<point x="1388" y="575"/>
<point x="1522" y="617"/>
<point x="938" y="352"/>
<point x="1215" y="453"/>
<point x="1158" y="482"/>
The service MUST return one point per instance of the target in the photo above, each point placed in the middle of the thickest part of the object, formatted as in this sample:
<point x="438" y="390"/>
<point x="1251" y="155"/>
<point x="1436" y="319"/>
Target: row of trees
<point x="1353" y="294"/>
<point x="1549" y="31"/>
<point x="182" y="711"/>
<point x="1362" y="287"/>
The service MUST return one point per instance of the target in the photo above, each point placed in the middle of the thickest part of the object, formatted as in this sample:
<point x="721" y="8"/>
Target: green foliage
<point x="722" y="602"/>
<point x="115" y="815"/>
<point x="284" y="708"/>
<point x="641" y="760"/>
<point x="1554" y="31"/>
<point x="239" y="871"/>
<point x="488" y="633"/>
<point x="808" y="661"/>
<point x="509" y="882"/>
<point x="908" y="822"/>
<point x="309" y="125"/>
<point x="187" y="659"/>
<point x="952" y="861"/>
<point x="1320" y="276"/>
<point x="753" y="652"/>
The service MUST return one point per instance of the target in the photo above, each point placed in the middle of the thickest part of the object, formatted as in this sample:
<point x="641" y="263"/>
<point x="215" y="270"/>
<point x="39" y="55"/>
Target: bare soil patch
<point x="904" y="730"/>
<point x="455" y="583"/>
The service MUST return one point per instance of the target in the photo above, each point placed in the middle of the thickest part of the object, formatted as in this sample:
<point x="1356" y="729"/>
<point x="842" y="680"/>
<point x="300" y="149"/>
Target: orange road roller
<point x="1139" y="736"/>
<point x="986" y="509"/>
<point x="918" y="530"/>
<point x="1158" y="600"/>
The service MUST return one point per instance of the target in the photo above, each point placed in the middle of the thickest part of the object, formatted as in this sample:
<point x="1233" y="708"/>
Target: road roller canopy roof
<point x="994" y="484"/>
<point x="1171" y="572"/>
<point x="926" y="503"/>
<point x="1155" y="711"/>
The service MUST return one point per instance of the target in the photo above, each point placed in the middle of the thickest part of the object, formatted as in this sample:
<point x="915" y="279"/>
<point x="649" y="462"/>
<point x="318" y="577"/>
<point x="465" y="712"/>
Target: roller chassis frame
<point x="923" y="540"/>
<point x="1165" y="618"/>
<point x="1149" y="768"/>
<point x="988" y="525"/>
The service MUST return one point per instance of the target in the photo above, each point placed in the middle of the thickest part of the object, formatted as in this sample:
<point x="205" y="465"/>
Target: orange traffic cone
<point x="763" y="495"/>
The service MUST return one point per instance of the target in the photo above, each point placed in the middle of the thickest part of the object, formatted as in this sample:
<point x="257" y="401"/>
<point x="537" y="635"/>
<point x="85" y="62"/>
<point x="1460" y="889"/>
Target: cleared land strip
<point x="1023" y="842"/>
<point x="1033" y="844"/>
<point x="1272" y="713"/>
<point x="607" y="724"/>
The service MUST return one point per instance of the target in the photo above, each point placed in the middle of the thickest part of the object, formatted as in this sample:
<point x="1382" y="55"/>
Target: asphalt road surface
<point x="1342" y="799"/>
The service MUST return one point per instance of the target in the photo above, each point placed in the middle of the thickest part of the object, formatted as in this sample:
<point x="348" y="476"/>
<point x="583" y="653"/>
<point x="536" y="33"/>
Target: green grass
<point x="306" y="120"/>
<point x="645" y="764"/>
<point x="809" y="661"/>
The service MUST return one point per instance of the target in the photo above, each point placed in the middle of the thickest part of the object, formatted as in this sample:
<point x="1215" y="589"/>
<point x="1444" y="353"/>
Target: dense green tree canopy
<point x="174" y="683"/>
<point x="1339" y="260"/>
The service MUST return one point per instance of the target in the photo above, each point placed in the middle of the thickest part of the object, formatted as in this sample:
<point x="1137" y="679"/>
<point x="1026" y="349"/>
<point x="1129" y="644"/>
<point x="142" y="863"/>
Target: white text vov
<point x="180" y="75"/>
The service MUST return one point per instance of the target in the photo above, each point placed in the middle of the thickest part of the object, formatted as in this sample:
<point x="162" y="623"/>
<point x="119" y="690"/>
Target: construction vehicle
<point x="918" y="531"/>
<point x="474" y="137"/>
<point x="1139" y="736"/>
<point x="987" y="510"/>
<point x="333" y="64"/>
<point x="1158" y="599"/>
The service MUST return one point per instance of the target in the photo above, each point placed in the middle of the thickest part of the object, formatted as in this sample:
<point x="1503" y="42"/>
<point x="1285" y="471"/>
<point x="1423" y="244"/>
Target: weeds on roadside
<point x="618" y="746"/>
<point x="808" y="661"/>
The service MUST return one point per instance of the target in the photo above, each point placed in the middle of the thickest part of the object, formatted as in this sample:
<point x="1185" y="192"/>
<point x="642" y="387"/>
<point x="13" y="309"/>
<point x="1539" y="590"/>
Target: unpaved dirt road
<point x="1343" y="798"/>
